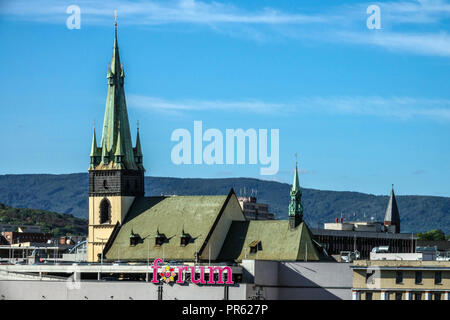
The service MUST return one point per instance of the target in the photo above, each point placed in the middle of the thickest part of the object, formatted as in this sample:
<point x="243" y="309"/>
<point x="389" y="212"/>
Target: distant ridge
<point x="68" y="193"/>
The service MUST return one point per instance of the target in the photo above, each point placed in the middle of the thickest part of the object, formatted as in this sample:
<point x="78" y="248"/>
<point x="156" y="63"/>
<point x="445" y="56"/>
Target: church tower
<point x="295" y="205"/>
<point x="116" y="172"/>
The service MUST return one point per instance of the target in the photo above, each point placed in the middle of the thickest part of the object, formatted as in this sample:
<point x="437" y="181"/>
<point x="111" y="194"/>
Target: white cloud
<point x="334" y="24"/>
<point x="392" y="107"/>
<point x="158" y="12"/>
<point x="424" y="43"/>
<point x="179" y="106"/>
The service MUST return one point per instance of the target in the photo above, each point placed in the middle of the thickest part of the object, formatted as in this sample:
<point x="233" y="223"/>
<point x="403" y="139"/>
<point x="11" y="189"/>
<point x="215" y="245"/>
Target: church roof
<point x="392" y="213"/>
<point x="170" y="218"/>
<point x="275" y="241"/>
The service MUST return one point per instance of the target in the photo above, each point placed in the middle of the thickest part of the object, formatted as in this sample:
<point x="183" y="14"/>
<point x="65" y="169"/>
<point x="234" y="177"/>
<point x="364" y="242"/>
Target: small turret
<point x="118" y="155"/>
<point x="95" y="154"/>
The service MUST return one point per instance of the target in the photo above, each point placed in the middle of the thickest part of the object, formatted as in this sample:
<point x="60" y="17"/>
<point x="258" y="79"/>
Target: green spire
<point x="116" y="129"/>
<point x="295" y="204"/>
<point x="95" y="154"/>
<point x="94" y="148"/>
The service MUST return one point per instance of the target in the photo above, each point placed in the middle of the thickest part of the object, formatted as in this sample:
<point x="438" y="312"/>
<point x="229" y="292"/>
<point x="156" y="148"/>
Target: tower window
<point x="105" y="184"/>
<point x="105" y="211"/>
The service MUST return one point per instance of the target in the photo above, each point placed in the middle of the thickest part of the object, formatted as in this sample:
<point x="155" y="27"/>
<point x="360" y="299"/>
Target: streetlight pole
<point x="101" y="258"/>
<point x="148" y="253"/>
<point x="148" y="259"/>
<point x="196" y="249"/>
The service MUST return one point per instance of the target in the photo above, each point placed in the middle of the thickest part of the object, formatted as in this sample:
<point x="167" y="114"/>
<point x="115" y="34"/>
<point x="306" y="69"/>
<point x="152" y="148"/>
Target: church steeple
<point x="295" y="205"/>
<point x="116" y="167"/>
<point x="116" y="118"/>
<point x="116" y="177"/>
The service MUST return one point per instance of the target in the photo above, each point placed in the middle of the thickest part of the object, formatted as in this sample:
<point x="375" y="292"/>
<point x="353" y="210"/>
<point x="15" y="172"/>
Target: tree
<point x="432" y="235"/>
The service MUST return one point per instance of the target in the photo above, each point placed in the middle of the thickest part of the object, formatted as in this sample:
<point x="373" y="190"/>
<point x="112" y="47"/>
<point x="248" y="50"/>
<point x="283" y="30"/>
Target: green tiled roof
<point x="170" y="216"/>
<point x="277" y="241"/>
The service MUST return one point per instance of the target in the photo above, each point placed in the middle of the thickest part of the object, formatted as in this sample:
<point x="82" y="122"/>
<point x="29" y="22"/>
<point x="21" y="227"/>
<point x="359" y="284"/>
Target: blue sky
<point x="362" y="108"/>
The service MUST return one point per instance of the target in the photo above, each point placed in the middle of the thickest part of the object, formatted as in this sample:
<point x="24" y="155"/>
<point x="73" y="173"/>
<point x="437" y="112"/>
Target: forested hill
<point x="57" y="224"/>
<point x="68" y="193"/>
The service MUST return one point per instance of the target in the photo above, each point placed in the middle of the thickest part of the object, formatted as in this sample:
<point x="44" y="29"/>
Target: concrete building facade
<point x="401" y="280"/>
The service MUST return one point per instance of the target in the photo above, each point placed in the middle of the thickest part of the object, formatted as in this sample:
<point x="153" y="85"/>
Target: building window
<point x="159" y="240"/>
<point x="370" y="277"/>
<point x="134" y="240"/>
<point x="398" y="296"/>
<point x="185" y="238"/>
<point x="417" y="296"/>
<point x="368" y="295"/>
<point x="399" y="277"/>
<point x="437" y="296"/>
<point x="418" y="277"/>
<point x="255" y="246"/>
<point x="105" y="211"/>
<point x="438" y="277"/>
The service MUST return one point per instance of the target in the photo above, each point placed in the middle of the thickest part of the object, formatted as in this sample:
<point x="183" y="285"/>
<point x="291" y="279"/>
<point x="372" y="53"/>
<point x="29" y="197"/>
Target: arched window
<point x="105" y="211"/>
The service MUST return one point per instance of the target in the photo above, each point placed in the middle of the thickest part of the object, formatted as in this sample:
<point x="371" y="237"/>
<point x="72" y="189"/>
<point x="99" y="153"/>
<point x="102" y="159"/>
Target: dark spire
<point x="295" y="205"/>
<point x="392" y="215"/>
